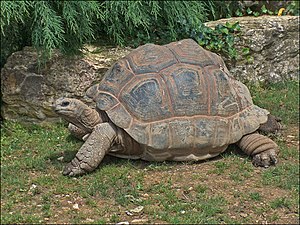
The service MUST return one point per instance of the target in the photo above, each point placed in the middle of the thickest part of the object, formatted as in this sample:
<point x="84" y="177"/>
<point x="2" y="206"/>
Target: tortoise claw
<point x="265" y="159"/>
<point x="72" y="170"/>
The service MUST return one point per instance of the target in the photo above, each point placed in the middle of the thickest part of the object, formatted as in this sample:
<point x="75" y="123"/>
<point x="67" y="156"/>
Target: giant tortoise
<point x="172" y="102"/>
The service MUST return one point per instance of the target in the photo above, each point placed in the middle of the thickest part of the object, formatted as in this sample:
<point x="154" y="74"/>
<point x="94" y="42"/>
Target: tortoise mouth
<point x="62" y="111"/>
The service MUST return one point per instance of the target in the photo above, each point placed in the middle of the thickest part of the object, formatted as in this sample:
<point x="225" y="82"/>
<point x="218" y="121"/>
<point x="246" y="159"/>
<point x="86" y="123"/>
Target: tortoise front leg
<point x="78" y="132"/>
<point x="262" y="148"/>
<point x="92" y="151"/>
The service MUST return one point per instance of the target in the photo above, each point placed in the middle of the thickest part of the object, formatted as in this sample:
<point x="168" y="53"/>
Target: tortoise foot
<point x="73" y="169"/>
<point x="265" y="159"/>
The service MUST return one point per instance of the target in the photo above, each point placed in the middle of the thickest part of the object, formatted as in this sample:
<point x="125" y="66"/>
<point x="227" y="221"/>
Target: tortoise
<point x="173" y="102"/>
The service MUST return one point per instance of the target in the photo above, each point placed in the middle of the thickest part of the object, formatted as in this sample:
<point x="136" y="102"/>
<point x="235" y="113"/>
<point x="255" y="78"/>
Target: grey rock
<point x="274" y="48"/>
<point x="28" y="91"/>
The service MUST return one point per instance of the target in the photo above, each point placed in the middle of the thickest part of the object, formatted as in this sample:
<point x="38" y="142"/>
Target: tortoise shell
<point x="177" y="96"/>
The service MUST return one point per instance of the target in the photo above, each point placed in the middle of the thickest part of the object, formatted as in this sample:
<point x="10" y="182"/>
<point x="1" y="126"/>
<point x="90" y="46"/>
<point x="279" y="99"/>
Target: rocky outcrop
<point x="28" y="93"/>
<point x="272" y="46"/>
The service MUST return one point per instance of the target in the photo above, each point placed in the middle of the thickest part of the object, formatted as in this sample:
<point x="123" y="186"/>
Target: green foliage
<point x="246" y="54"/>
<point x="262" y="11"/>
<point x="280" y="203"/>
<point x="220" y="39"/>
<point x="11" y="12"/>
<point x="221" y="9"/>
<point x="258" y="8"/>
<point x="280" y="98"/>
<point x="255" y="196"/>
<point x="293" y="8"/>
<point x="48" y="32"/>
<point x="66" y="25"/>
<point x="137" y="22"/>
<point x="13" y="29"/>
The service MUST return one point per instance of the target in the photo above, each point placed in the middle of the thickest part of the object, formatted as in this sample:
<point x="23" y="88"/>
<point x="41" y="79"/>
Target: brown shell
<point x="177" y="96"/>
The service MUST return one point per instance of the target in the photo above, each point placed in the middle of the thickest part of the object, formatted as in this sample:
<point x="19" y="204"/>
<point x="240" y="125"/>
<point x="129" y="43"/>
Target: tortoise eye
<point x="64" y="104"/>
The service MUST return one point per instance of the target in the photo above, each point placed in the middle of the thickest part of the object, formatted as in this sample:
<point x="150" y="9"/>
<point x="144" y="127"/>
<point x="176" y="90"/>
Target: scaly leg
<point x="77" y="132"/>
<point x="262" y="148"/>
<point x="92" y="151"/>
<point x="272" y="125"/>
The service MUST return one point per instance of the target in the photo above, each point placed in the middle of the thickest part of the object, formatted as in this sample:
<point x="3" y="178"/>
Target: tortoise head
<point x="77" y="113"/>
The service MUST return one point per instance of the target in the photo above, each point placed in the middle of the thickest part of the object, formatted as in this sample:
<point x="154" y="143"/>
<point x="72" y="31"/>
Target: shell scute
<point x="116" y="78"/>
<point x="119" y="115"/>
<point x="105" y="101"/>
<point x="226" y="102"/>
<point x="159" y="133"/>
<point x="181" y="133"/>
<point x="187" y="90"/>
<point x="145" y="101"/>
<point x="139" y="132"/>
<point x="188" y="51"/>
<point x="150" y="58"/>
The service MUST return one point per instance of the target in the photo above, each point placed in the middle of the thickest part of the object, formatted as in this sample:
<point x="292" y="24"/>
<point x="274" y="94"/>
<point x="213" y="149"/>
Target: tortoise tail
<point x="253" y="144"/>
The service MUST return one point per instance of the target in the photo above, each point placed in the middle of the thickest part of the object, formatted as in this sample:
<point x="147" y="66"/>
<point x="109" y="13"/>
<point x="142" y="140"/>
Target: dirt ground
<point x="186" y="177"/>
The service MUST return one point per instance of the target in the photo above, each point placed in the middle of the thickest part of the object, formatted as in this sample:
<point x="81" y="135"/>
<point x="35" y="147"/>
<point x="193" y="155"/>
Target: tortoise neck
<point x="88" y="118"/>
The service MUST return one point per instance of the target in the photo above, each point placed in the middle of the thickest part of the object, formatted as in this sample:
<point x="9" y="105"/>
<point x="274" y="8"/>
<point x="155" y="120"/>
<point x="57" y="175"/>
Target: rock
<point x="60" y="158"/>
<point x="244" y="215"/>
<point x="135" y="211"/>
<point x="273" y="43"/>
<point x="33" y="189"/>
<point x="76" y="206"/>
<point x="122" y="223"/>
<point x="28" y="91"/>
<point x="33" y="186"/>
<point x="133" y="199"/>
<point x="140" y="221"/>
<point x="89" y="220"/>
<point x="128" y="213"/>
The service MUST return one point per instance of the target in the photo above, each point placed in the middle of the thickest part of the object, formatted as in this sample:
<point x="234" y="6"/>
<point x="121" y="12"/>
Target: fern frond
<point x="13" y="11"/>
<point x="47" y="29"/>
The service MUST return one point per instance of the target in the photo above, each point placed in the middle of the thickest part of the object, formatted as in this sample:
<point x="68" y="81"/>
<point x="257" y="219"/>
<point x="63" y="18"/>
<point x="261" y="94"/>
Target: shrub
<point x="46" y="25"/>
<point x="67" y="25"/>
<point x="137" y="22"/>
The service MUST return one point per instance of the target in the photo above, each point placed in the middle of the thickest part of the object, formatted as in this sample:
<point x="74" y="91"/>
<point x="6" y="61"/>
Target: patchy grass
<point x="281" y="99"/>
<point x="227" y="189"/>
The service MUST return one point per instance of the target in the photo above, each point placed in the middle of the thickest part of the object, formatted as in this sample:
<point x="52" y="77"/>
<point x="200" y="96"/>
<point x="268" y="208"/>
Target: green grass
<point x="256" y="196"/>
<point x="280" y="203"/>
<point x="284" y="176"/>
<point x="33" y="190"/>
<point x="281" y="99"/>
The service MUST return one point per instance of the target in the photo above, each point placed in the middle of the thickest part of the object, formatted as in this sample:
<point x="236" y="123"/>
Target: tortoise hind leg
<point x="272" y="125"/>
<point x="261" y="148"/>
<point x="92" y="151"/>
